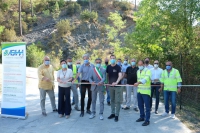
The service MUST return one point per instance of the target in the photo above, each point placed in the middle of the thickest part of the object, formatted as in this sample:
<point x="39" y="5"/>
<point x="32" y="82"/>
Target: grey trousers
<point x="43" y="98"/>
<point x="94" y="99"/>
<point x="115" y="95"/>
<point x="129" y="89"/>
<point x="75" y="94"/>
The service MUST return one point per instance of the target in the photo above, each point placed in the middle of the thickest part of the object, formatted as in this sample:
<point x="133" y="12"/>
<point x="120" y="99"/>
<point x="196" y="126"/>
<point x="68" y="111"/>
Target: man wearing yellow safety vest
<point x="144" y="92"/>
<point x="171" y="80"/>
<point x="74" y="86"/>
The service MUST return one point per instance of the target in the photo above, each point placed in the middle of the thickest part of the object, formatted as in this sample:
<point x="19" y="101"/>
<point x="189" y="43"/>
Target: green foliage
<point x="64" y="27"/>
<point x="61" y="3"/>
<point x="86" y="15"/>
<point x="34" y="56"/>
<point x="73" y="8"/>
<point x="116" y="25"/>
<point x="56" y="10"/>
<point x="9" y="35"/>
<point x="46" y="13"/>
<point x="1" y="29"/>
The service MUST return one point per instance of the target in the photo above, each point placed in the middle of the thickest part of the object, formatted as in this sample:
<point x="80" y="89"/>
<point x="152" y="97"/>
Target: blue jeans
<point x="167" y="94"/>
<point x="144" y="99"/>
<point x="108" y="94"/>
<point x="155" y="89"/>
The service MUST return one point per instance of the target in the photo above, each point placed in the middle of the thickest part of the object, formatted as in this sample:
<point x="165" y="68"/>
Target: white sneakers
<point x="101" y="117"/>
<point x="92" y="116"/>
<point x="173" y="116"/>
<point x="166" y="114"/>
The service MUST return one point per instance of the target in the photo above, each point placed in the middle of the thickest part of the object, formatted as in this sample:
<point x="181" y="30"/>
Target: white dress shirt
<point x="156" y="73"/>
<point x="149" y="66"/>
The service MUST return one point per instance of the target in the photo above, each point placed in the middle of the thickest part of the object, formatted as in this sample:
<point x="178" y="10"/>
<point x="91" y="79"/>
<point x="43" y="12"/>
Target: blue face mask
<point x="112" y="61"/>
<point x="119" y="63"/>
<point x="64" y="65"/>
<point x="168" y="67"/>
<point x="69" y="63"/>
<point x="141" y="67"/>
<point x="46" y="62"/>
<point x="86" y="61"/>
<point x="133" y="63"/>
<point x="98" y="65"/>
<point x="78" y="65"/>
<point x="125" y="62"/>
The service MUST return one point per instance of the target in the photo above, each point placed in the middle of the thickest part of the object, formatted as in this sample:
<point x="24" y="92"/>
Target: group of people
<point x="139" y="77"/>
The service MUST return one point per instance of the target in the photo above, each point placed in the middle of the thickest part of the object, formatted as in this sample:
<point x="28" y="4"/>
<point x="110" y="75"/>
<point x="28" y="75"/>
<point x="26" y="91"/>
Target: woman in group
<point x="64" y="76"/>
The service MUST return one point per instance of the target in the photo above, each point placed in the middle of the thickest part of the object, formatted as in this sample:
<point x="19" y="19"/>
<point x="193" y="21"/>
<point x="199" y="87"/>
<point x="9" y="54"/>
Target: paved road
<point x="36" y="123"/>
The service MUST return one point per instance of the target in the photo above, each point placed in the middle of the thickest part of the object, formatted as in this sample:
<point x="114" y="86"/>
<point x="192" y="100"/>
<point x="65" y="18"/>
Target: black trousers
<point x="85" y="87"/>
<point x="64" y="102"/>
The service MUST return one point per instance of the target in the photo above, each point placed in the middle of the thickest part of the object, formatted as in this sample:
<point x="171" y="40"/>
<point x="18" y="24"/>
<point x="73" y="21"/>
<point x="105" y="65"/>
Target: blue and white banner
<point x="13" y="80"/>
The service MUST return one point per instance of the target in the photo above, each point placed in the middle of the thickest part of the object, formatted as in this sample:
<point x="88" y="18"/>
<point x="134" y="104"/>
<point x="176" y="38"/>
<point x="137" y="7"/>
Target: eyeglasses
<point x="98" y="62"/>
<point x="155" y="63"/>
<point x="78" y="63"/>
<point x="168" y="65"/>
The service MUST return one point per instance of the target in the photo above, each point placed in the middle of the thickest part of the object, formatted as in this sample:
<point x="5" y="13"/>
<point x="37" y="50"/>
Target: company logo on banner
<point x="14" y="53"/>
<point x="13" y="80"/>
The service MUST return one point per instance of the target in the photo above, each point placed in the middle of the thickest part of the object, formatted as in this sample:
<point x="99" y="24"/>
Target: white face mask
<point x="155" y="65"/>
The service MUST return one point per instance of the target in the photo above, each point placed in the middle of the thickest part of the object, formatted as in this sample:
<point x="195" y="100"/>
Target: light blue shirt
<point x="124" y="67"/>
<point x="149" y="66"/>
<point x="156" y="73"/>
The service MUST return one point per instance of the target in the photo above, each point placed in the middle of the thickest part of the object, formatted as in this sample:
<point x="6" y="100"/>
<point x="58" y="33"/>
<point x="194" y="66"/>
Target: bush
<point x="73" y="8"/>
<point x="61" y="3"/>
<point x="64" y="27"/>
<point x="124" y="5"/>
<point x="34" y="56"/>
<point x="56" y="10"/>
<point x="86" y="15"/>
<point x="46" y="13"/>
<point x="9" y="35"/>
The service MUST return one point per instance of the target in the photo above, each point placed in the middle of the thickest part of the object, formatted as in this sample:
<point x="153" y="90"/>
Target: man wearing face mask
<point x="155" y="82"/>
<point x="84" y="71"/>
<point x="97" y="79"/>
<point x="171" y="81"/>
<point x="107" y="90"/>
<point x="46" y="84"/>
<point x="125" y="65"/>
<point x="114" y="78"/>
<point x="74" y="86"/>
<point x="78" y="64"/>
<point x="131" y="75"/>
<point x="144" y="92"/>
<point x="147" y="65"/>
<point x="119" y="62"/>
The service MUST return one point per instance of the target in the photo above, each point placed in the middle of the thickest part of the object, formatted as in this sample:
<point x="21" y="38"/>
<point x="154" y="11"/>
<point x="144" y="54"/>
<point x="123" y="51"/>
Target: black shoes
<point x="140" y="119"/>
<point x="146" y="123"/>
<point x="126" y="108"/>
<point x="44" y="113"/>
<point x="55" y="110"/>
<point x="88" y="111"/>
<point x="72" y="103"/>
<point x="111" y="116"/>
<point x="136" y="109"/>
<point x="116" y="119"/>
<point x="77" y="109"/>
<point x="82" y="114"/>
<point x="108" y="103"/>
<point x="156" y="112"/>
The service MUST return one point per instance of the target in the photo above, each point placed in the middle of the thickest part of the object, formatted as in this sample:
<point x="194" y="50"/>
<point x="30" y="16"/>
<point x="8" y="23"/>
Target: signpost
<point x="13" y="80"/>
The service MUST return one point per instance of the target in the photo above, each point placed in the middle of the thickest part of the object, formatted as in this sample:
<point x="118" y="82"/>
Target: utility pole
<point x="135" y="4"/>
<point x="20" y="21"/>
